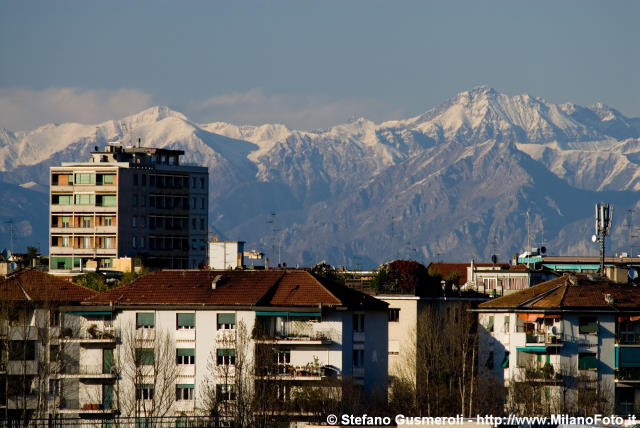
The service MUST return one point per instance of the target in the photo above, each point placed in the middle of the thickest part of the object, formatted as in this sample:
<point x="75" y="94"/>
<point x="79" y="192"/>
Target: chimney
<point x="138" y="142"/>
<point x="266" y="263"/>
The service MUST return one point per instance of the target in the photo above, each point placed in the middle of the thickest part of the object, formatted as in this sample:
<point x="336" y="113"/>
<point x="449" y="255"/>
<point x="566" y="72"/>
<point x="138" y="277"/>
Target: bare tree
<point x="147" y="364"/>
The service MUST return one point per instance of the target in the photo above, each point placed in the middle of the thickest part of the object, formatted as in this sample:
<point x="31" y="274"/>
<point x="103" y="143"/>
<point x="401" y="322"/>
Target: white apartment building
<point x="573" y="338"/>
<point x="128" y="202"/>
<point x="157" y="346"/>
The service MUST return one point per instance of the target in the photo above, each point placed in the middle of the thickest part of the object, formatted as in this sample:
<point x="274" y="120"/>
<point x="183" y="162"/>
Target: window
<point x="588" y="325"/>
<point x="185" y="321"/>
<point x="143" y="200"/>
<point x="22" y="350"/>
<point x="86" y="221"/>
<point x="108" y="242"/>
<point x="152" y="180"/>
<point x="83" y="199"/>
<point x="225" y="392"/>
<point x="133" y="241"/>
<point x="142" y="242"/>
<point x="106" y="200"/>
<point x="490" y="324"/>
<point x="144" y="392"/>
<point x="185" y="356"/>
<point x="226" y="321"/>
<point x="108" y="221"/>
<point x="226" y="357"/>
<point x="394" y="314"/>
<point x="135" y="200"/>
<point x="193" y="183"/>
<point x="358" y="358"/>
<point x="65" y="221"/>
<point x="65" y="241"/>
<point x="184" y="392"/>
<point x="201" y="224"/>
<point x="202" y="203"/>
<point x="134" y="221"/>
<point x="62" y="199"/>
<point x="84" y="178"/>
<point x="506" y="323"/>
<point x="135" y="179"/>
<point x="54" y="318"/>
<point x="84" y="242"/>
<point x="144" y="357"/>
<point x="358" y="323"/>
<point x="144" y="180"/>
<point x="145" y="320"/>
<point x="202" y="183"/>
<point x="194" y="244"/>
<point x="105" y="179"/>
<point x="587" y="361"/>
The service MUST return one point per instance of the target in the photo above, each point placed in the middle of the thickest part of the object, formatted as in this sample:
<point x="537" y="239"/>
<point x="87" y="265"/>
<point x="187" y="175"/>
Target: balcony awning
<point x="90" y="313"/>
<point x="533" y="317"/>
<point x="532" y="349"/>
<point x="629" y="357"/>
<point x="290" y="314"/>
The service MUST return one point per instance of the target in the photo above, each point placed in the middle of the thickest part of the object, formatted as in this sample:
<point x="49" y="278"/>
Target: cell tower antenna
<point x="604" y="214"/>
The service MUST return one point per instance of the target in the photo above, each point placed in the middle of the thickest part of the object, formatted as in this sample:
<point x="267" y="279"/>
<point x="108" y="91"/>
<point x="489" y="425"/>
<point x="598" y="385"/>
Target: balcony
<point x="23" y="332"/>
<point x="307" y="372"/>
<point x="93" y="371"/>
<point x="22" y="367"/>
<point x="628" y="338"/>
<point x="92" y="335"/>
<point x="73" y="406"/>
<point x="293" y="333"/>
<point x="544" y="338"/>
<point x="628" y="374"/>
<point x="29" y="401"/>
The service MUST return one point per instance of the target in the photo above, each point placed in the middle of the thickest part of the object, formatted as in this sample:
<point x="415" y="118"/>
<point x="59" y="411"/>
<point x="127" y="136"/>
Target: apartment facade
<point x="187" y="342"/>
<point x="573" y="341"/>
<point x="31" y="350"/>
<point x="128" y="201"/>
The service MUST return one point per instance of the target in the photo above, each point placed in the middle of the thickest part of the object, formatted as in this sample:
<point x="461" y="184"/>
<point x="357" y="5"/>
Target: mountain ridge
<point x="453" y="181"/>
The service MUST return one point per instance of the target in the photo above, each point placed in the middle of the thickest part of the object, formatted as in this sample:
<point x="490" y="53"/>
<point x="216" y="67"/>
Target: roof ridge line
<point x="541" y="295"/>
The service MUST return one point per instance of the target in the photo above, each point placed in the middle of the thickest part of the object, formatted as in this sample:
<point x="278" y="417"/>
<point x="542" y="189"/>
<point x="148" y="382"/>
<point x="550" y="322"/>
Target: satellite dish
<point x="594" y="238"/>
<point x="543" y="250"/>
<point x="494" y="259"/>
<point x="633" y="273"/>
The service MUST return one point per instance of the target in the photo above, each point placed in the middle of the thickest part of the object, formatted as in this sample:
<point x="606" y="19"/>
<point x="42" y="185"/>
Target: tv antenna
<point x="272" y="222"/>
<point x="632" y="230"/>
<point x="604" y="213"/>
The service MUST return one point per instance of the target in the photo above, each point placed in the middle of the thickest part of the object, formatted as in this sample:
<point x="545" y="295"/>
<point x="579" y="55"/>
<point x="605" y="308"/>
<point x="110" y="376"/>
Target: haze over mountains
<point x="450" y="184"/>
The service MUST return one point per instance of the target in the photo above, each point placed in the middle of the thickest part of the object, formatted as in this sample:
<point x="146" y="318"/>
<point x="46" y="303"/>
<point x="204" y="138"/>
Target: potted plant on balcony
<point x="93" y="331"/>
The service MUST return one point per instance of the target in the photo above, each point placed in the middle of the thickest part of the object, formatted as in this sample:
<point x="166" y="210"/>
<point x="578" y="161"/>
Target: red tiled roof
<point x="239" y="287"/>
<point x="38" y="286"/>
<point x="571" y="292"/>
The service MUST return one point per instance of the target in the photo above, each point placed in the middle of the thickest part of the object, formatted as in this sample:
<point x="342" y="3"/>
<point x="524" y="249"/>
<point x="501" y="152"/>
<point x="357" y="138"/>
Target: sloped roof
<point x="36" y="286"/>
<point x="238" y="287"/>
<point x="570" y="292"/>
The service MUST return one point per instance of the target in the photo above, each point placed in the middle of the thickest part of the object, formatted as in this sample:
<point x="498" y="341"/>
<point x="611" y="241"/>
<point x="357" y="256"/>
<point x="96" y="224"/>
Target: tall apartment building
<point x="128" y="201"/>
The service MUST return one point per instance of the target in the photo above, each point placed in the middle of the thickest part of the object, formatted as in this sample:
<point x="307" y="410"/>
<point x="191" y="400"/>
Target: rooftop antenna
<point x="11" y="233"/>
<point x="604" y="213"/>
<point x="632" y="229"/>
<point x="272" y="222"/>
<point x="393" y="252"/>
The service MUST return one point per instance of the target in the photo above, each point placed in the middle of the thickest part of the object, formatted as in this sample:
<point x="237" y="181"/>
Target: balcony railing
<point x="544" y="338"/>
<point x="628" y="338"/>
<point x="291" y="371"/>
<point x="88" y="370"/>
<point x="628" y="374"/>
<point x="92" y="333"/>
<point x="295" y="332"/>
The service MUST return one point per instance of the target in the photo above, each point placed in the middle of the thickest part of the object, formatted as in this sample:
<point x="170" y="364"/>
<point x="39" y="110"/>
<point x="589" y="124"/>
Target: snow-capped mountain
<point x="452" y="183"/>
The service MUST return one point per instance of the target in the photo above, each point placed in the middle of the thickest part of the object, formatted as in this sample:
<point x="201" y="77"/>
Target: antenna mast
<point x="11" y="233"/>
<point x="604" y="213"/>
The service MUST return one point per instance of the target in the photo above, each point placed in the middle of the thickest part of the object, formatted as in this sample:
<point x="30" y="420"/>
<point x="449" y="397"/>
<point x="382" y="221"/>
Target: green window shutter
<point x="107" y="360"/>
<point x="145" y="356"/>
<point x="548" y="359"/>
<point x="490" y="325"/>
<point x="505" y="361"/>
<point x="185" y="385"/>
<point x="587" y="361"/>
<point x="629" y="357"/>
<point x="226" y="352"/>
<point x="186" y="320"/>
<point x="186" y="352"/>
<point x="145" y="319"/>
<point x="108" y="200"/>
<point x="588" y="325"/>
<point x="226" y="318"/>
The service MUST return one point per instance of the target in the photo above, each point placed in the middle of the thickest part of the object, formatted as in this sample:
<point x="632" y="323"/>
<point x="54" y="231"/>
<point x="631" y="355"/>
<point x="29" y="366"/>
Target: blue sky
<point x="306" y="64"/>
